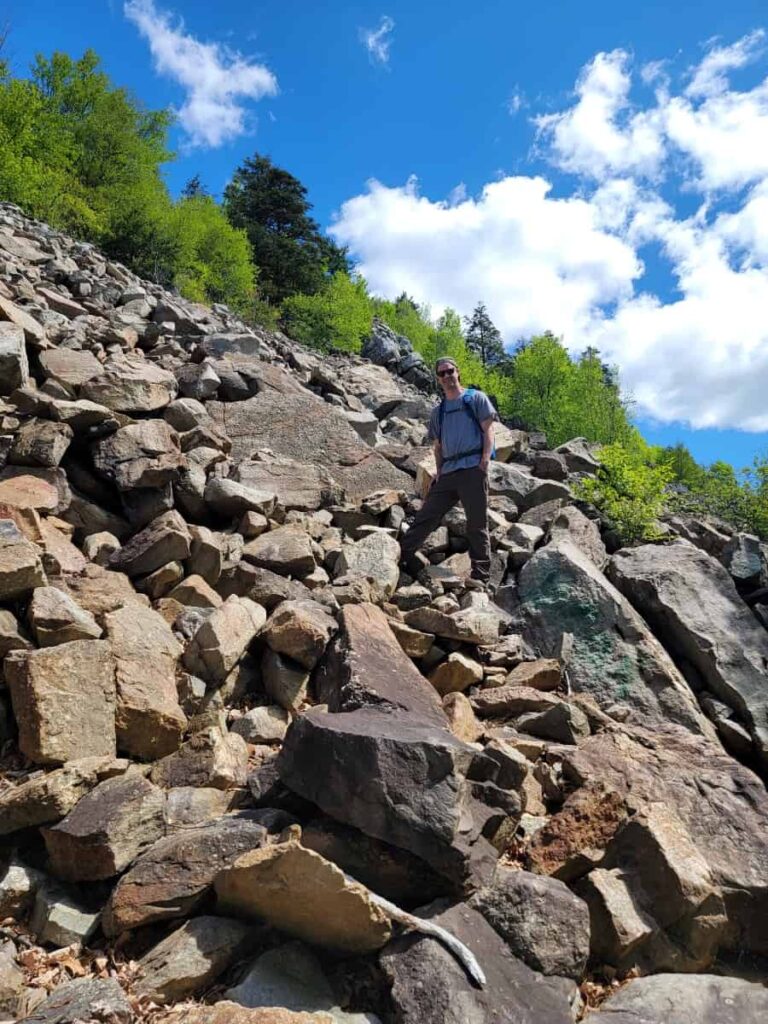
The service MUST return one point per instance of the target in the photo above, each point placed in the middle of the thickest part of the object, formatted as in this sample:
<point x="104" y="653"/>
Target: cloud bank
<point x="693" y="347"/>
<point x="217" y="81"/>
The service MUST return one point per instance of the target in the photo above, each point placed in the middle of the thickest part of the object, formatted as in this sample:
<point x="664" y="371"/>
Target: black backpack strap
<point x="440" y="420"/>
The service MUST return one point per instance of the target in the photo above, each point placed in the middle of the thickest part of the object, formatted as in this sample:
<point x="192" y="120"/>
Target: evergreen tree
<point x="289" y="249"/>
<point x="194" y="188"/>
<point x="483" y="338"/>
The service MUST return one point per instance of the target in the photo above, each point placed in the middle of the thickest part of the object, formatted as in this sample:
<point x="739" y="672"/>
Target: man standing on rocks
<point x="461" y="430"/>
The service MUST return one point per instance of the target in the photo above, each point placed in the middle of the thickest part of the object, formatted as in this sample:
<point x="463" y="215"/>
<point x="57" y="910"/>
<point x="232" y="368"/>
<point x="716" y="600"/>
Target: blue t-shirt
<point x="460" y="432"/>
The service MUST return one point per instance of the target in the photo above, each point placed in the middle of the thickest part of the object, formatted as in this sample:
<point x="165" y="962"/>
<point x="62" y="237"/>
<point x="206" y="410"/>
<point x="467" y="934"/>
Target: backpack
<point x="466" y="399"/>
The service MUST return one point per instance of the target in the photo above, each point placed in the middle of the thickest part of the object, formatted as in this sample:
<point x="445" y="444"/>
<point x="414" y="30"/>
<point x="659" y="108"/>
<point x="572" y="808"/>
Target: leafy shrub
<point x="629" y="490"/>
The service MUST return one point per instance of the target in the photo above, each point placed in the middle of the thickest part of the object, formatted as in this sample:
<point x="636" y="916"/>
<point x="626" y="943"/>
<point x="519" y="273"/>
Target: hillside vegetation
<point x="85" y="156"/>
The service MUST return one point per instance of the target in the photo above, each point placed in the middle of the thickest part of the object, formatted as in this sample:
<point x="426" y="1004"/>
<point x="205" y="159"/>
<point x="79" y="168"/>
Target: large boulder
<point x="692" y="604"/>
<point x="64" y="700"/>
<point x="149" y="719"/>
<point x="166" y="539"/>
<point x="223" y="638"/>
<point x="303" y="894"/>
<point x="298" y="485"/>
<point x="145" y="454"/>
<point x="376" y="557"/>
<point x="614" y="658"/>
<point x="175" y="875"/>
<point x="429" y="986"/>
<point x="303" y="427"/>
<point x="541" y="920"/>
<point x="301" y="630"/>
<point x="685" y="999"/>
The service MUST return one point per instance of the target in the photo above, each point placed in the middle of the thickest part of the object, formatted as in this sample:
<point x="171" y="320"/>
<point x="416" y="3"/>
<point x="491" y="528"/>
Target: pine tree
<point x="483" y="338"/>
<point x="291" y="252"/>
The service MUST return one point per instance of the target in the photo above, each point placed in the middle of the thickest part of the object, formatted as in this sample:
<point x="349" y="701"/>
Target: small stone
<point x="161" y="581"/>
<point x="223" y="638"/>
<point x="456" y="674"/>
<point x="415" y="643"/>
<point x="543" y="674"/>
<point x="11" y="980"/>
<point x="18" y="886"/>
<point x="194" y="592"/>
<point x="56" y="618"/>
<point x="262" y="725"/>
<point x="461" y="718"/>
<point x="285" y="681"/>
<point x="57" y="918"/>
<point x="285" y="550"/>
<point x="84" y="999"/>
<point x="228" y="498"/>
<point x="20" y="567"/>
<point x="300" y="629"/>
<point x="14" y="367"/>
<point x="211" y="758"/>
<point x="166" y="539"/>
<point x="99" y="547"/>
<point x="563" y="723"/>
<point x="253" y="524"/>
<point x="40" y="443"/>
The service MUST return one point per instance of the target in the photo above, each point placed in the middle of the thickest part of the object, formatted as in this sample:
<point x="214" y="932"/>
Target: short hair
<point x="446" y="359"/>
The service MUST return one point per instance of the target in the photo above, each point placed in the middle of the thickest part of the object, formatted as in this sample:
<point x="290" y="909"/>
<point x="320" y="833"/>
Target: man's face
<point x="448" y="376"/>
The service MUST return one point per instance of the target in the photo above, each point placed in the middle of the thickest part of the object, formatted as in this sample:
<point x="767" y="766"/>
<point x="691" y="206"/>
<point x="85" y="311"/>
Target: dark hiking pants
<point x="470" y="487"/>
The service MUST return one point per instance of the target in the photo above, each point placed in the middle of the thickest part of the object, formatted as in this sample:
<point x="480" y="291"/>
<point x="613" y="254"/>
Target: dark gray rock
<point x="692" y="604"/>
<point x="540" y="919"/>
<point x="84" y="999"/>
<point x="429" y="986"/>
<point x="685" y="999"/>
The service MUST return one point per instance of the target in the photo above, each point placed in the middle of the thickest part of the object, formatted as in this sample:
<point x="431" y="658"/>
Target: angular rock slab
<point x="540" y="919"/>
<point x="305" y="895"/>
<point x="395" y="777"/>
<point x="692" y="604"/>
<point x="301" y="630"/>
<point x="304" y="427"/>
<point x="149" y="719"/>
<point x="107" y="830"/>
<point x="192" y="957"/>
<point x="210" y="759"/>
<point x="365" y="665"/>
<point x="223" y="638"/>
<point x="14" y="367"/>
<point x="46" y="799"/>
<point x="130" y="384"/>
<point x="64" y="701"/>
<point x="288" y="980"/>
<point x="227" y="1012"/>
<point x="56" y="618"/>
<point x="166" y="539"/>
<point x="615" y="657"/>
<point x="84" y="999"/>
<point x="685" y="999"/>
<point x="175" y="874"/>
<point x="722" y="806"/>
<point x="44" y="490"/>
<point x="429" y="986"/>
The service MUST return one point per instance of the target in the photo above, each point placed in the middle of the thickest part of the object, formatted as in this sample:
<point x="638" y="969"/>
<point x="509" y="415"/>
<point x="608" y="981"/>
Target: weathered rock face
<point x="301" y="630"/>
<point x="83" y="999"/>
<point x="192" y="957"/>
<point x="149" y="720"/>
<point x="64" y="701"/>
<point x="428" y="985"/>
<point x="129" y="384"/>
<point x="173" y="877"/>
<point x="300" y="426"/>
<point x="716" y="806"/>
<point x="692" y="604"/>
<point x="615" y="657"/>
<point x="685" y="999"/>
<point x="303" y="894"/>
<point x="20" y="567"/>
<point x="542" y="922"/>
<point x="14" y="367"/>
<point x="107" y="829"/>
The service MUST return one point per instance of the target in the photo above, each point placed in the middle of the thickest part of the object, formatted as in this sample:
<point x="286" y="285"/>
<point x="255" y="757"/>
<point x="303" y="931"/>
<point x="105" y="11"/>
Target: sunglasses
<point x="446" y="373"/>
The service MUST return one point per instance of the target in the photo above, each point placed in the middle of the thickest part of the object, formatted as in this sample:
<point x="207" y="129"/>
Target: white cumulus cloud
<point x="378" y="41"/>
<point x="689" y="332"/>
<point x="217" y="81"/>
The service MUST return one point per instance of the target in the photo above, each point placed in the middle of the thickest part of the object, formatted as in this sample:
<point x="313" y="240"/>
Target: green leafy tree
<point x="629" y="490"/>
<point x="292" y="254"/>
<point x="338" y="317"/>
<point x="212" y="259"/>
<point x="483" y="337"/>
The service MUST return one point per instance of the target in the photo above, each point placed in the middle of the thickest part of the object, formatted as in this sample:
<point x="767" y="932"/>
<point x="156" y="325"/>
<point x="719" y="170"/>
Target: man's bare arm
<point x="487" y="428"/>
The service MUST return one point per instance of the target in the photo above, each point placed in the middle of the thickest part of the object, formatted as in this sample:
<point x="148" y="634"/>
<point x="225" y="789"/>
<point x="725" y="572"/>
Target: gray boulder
<point x="540" y="919"/>
<point x="692" y="604"/>
<point x="685" y="999"/>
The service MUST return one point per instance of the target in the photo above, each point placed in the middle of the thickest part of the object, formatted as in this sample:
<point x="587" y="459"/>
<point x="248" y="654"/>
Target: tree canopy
<point x="271" y="206"/>
<point x="483" y="337"/>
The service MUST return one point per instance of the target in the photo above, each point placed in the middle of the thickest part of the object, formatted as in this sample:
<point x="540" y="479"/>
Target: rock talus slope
<point x="233" y="726"/>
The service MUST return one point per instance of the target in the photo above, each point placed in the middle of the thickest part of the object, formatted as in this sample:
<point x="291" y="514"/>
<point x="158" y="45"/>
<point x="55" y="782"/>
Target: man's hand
<point x="485" y="462"/>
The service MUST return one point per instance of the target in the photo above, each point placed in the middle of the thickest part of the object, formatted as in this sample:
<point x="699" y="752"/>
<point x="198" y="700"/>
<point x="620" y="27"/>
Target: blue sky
<point x="594" y="168"/>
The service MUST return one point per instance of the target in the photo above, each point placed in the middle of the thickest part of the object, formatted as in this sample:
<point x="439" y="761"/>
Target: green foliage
<point x="629" y="489"/>
<point x="718" y="490"/>
<point x="213" y="259"/>
<point x="337" y="317"/>
<point x="483" y="337"/>
<point x="291" y="252"/>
